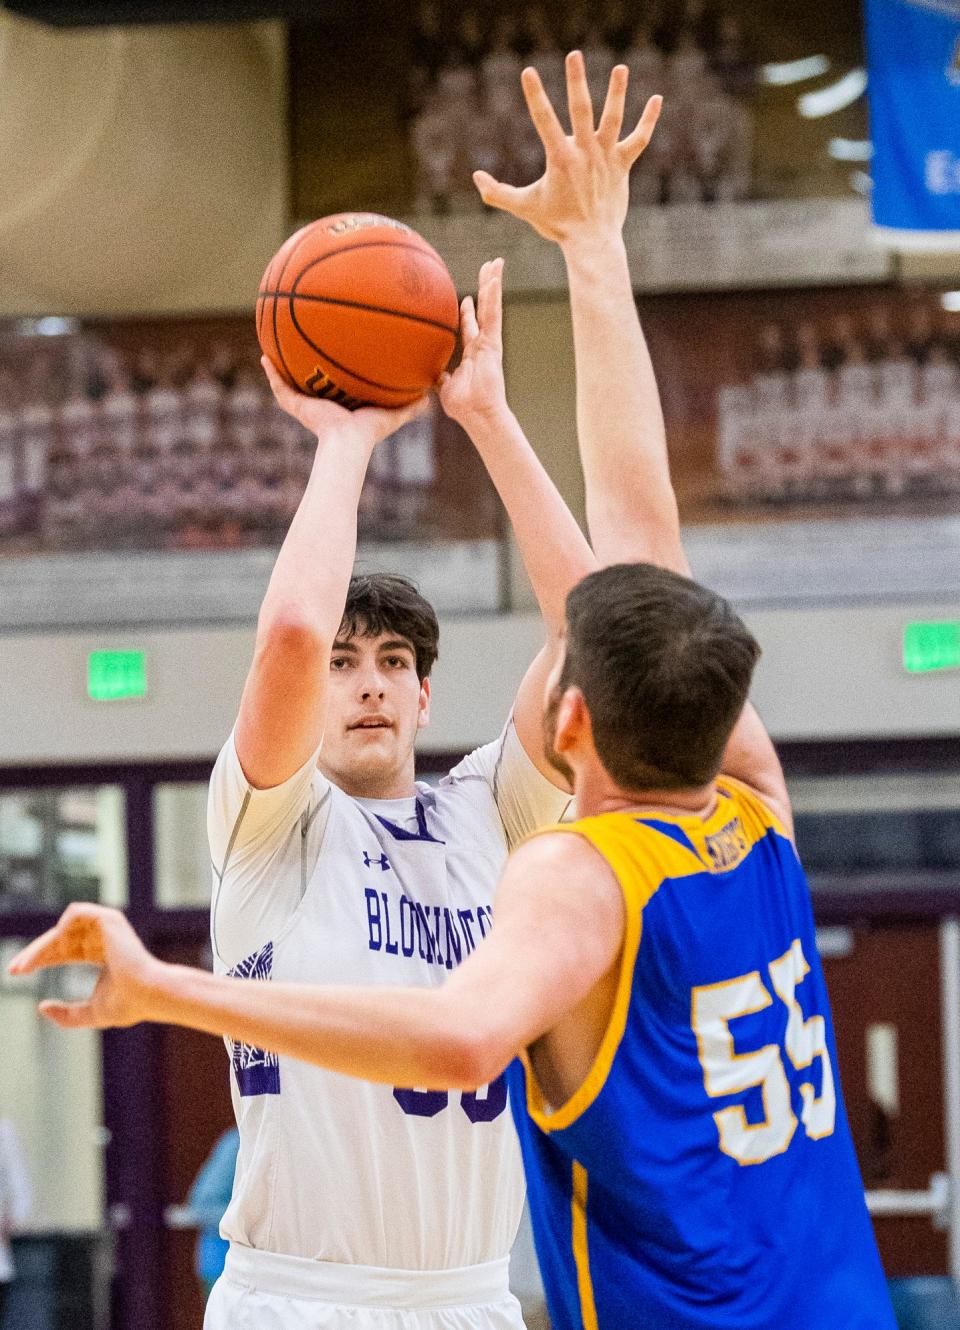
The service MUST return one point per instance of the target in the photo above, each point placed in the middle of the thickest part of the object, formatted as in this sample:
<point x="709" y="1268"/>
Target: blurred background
<point x="153" y="157"/>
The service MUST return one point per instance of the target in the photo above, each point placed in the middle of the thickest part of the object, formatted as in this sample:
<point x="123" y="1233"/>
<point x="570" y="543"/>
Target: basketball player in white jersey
<point x="331" y="864"/>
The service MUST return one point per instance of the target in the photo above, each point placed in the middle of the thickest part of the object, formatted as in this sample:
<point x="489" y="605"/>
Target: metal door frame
<point x="133" y="1112"/>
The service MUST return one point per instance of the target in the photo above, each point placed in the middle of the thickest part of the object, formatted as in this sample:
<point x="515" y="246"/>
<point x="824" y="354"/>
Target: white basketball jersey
<point x="313" y="886"/>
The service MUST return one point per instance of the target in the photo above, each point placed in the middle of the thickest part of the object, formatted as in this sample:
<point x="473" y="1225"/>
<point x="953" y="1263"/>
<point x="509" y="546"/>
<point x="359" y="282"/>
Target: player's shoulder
<point x="502" y="758"/>
<point x="468" y="785"/>
<point x="477" y="765"/>
<point x="564" y="873"/>
<point x="463" y="781"/>
<point x="561" y="849"/>
<point x="460" y="808"/>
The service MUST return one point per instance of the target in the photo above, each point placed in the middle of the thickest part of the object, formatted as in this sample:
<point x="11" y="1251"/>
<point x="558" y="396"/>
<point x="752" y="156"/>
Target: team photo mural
<point x="163" y="435"/>
<point x="810" y="403"/>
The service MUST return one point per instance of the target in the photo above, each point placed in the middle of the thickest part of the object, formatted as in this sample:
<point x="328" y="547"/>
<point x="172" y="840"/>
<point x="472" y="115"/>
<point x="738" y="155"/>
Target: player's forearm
<point x="407" y="1037"/>
<point x="310" y="577"/>
<point x="631" y="508"/>
<point x="554" y="550"/>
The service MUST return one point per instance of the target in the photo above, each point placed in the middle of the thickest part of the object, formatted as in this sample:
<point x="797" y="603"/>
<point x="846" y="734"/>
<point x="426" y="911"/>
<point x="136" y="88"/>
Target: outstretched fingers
<point x="544" y="117"/>
<point x="611" y="118"/>
<point x="578" y="98"/>
<point x="635" y="142"/>
<point x="47" y="949"/>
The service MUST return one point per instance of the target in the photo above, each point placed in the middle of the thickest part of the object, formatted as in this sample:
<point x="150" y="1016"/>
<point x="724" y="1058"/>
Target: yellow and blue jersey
<point x="703" y="1176"/>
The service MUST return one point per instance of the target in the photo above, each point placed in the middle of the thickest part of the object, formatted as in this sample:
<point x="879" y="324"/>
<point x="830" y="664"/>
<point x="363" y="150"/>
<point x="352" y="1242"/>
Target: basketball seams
<point x="423" y="248"/>
<point x="276" y="337"/>
<point x="357" y="304"/>
<point x="261" y="300"/>
<point x="261" y="311"/>
<point x="417" y="391"/>
<point x="291" y="378"/>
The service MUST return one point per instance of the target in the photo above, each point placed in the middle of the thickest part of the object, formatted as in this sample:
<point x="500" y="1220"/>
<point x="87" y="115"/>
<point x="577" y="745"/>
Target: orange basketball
<point x="360" y="309"/>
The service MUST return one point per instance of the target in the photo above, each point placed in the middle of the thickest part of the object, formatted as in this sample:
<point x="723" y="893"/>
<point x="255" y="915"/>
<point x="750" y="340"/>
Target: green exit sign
<point x="931" y="646"/>
<point x="112" y="675"/>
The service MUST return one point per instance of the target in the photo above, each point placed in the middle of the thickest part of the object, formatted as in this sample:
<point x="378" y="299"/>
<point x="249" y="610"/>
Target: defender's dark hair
<point x="664" y="666"/>
<point x="383" y="603"/>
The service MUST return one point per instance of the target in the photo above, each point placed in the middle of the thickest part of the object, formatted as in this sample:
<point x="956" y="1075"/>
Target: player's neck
<point x="374" y="785"/>
<point x="595" y="793"/>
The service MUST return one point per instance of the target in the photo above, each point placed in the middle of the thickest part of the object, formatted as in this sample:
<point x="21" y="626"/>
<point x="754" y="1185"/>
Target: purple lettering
<point x="423" y="930"/>
<point x="487" y="1102"/>
<point x="373" y="919"/>
<point x="436" y="940"/>
<point x="466" y="919"/>
<point x="454" y="945"/>
<point x="407" y="926"/>
<point x="391" y="947"/>
<point x="421" y="1103"/>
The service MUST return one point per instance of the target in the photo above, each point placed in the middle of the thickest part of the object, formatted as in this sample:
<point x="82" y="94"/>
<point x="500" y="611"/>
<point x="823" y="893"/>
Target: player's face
<point x="375" y="705"/>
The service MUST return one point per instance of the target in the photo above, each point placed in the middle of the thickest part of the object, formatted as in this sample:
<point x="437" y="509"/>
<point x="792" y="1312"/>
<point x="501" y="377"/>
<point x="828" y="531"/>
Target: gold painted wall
<point x="538" y="365"/>
<point x="144" y="169"/>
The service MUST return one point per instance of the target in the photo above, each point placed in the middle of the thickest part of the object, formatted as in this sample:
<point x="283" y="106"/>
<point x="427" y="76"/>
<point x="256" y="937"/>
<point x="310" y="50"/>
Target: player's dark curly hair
<point x="664" y="666"/>
<point x="385" y="603"/>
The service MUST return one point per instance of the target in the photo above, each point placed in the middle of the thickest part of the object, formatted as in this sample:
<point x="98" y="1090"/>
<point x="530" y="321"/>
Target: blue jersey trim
<point x="669" y="829"/>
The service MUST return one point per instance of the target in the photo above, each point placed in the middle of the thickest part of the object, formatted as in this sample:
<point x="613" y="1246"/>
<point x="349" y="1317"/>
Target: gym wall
<point x="154" y="180"/>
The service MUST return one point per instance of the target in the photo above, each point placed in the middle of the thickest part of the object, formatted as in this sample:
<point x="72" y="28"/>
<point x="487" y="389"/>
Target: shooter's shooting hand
<point x="366" y="426"/>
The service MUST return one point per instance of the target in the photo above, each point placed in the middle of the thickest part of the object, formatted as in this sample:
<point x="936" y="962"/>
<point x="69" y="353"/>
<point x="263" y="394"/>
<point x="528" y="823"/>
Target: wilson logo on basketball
<point x="321" y="386"/>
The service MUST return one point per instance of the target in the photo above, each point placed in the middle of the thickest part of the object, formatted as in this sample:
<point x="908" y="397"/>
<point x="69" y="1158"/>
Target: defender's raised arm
<point x="580" y="202"/>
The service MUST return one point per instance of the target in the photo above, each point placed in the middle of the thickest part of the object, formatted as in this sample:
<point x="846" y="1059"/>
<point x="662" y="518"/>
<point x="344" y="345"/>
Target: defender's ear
<point x="573" y="720"/>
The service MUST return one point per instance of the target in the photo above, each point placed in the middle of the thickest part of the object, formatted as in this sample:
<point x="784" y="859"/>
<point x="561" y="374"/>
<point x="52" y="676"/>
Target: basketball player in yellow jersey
<point x="652" y="979"/>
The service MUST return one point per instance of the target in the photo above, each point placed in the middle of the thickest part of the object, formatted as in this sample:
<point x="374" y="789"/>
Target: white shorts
<point x="263" y="1291"/>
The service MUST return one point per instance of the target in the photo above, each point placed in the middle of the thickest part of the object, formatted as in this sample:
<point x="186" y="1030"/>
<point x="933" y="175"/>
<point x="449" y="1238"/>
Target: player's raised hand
<point x="366" y="426"/>
<point x="584" y="189"/>
<point x="94" y="935"/>
<point x="475" y="389"/>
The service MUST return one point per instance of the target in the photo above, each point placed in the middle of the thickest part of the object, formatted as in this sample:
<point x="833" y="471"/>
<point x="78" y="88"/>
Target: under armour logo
<point x="383" y="861"/>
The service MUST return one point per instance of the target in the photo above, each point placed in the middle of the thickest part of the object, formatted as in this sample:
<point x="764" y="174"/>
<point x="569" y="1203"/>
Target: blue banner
<point x="913" y="55"/>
